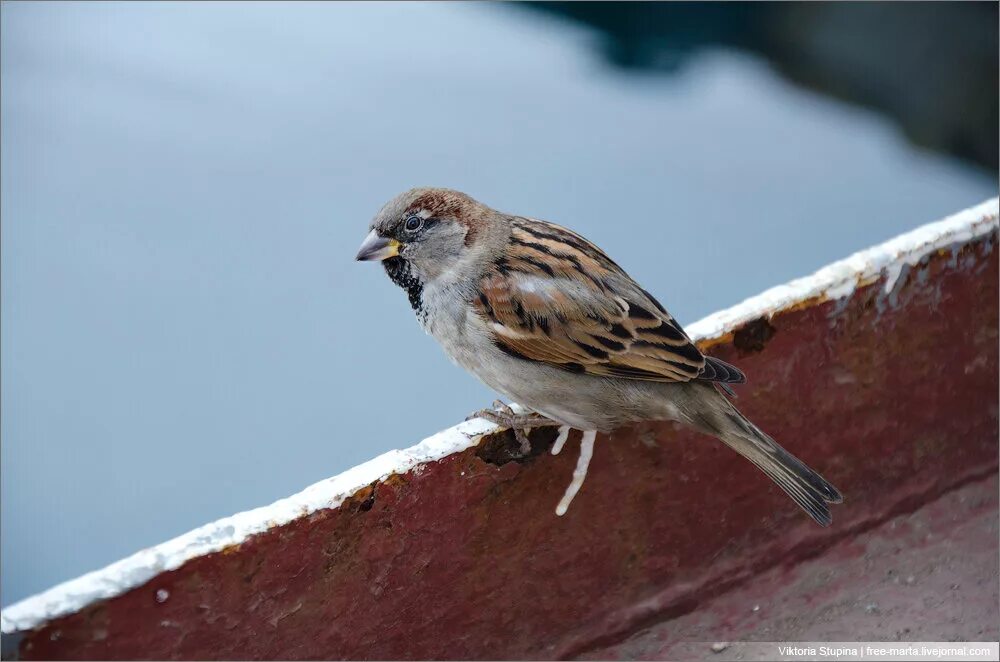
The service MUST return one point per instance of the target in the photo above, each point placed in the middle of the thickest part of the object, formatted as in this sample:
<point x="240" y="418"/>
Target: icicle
<point x="580" y="473"/>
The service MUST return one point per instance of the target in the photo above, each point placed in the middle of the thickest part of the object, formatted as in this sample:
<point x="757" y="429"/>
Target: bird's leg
<point x="505" y="417"/>
<point x="580" y="473"/>
<point x="561" y="439"/>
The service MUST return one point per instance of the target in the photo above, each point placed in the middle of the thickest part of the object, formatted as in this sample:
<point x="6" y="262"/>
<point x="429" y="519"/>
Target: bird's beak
<point x="375" y="247"/>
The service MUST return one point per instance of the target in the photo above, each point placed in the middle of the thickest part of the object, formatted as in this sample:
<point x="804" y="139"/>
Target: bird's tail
<point x="807" y="488"/>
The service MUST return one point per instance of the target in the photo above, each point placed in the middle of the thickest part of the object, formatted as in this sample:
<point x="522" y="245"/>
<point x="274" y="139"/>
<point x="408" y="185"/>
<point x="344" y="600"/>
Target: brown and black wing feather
<point x="556" y="298"/>
<point x="717" y="370"/>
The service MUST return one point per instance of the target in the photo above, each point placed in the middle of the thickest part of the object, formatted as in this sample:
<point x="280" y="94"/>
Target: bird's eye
<point x="413" y="223"/>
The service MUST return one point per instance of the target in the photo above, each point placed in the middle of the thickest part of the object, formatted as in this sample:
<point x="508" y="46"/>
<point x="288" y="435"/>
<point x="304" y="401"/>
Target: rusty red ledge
<point x="880" y="370"/>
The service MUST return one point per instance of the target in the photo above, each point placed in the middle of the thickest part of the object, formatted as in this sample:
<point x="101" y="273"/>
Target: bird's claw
<point x="505" y="417"/>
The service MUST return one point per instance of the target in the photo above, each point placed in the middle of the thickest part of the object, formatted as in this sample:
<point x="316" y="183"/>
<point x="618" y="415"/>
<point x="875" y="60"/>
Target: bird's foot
<point x="505" y="417"/>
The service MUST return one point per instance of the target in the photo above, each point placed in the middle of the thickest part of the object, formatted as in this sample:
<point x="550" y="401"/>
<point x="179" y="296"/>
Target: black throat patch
<point x="399" y="272"/>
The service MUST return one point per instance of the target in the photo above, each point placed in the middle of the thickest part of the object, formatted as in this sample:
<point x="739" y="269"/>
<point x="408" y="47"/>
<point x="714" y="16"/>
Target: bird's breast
<point x="450" y="319"/>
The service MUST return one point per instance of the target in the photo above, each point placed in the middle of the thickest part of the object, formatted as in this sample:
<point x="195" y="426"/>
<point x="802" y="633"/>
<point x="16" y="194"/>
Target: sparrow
<point x="544" y="317"/>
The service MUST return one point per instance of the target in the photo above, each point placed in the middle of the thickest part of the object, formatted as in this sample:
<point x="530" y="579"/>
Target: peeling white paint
<point x="833" y="281"/>
<point x="146" y="564"/>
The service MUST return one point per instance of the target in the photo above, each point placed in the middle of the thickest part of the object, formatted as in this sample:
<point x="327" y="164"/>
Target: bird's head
<point x="429" y="234"/>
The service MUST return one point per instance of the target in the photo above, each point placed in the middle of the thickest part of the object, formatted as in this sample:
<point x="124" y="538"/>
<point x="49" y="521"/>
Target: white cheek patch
<point x="460" y="269"/>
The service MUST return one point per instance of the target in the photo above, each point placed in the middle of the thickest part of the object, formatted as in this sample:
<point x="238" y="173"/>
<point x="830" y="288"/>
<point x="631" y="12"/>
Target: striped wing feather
<point x="558" y="299"/>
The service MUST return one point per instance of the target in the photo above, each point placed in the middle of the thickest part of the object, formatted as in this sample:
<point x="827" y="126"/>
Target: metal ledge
<point x="880" y="370"/>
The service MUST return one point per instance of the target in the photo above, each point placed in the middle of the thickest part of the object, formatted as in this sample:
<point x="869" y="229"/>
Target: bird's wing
<point x="555" y="298"/>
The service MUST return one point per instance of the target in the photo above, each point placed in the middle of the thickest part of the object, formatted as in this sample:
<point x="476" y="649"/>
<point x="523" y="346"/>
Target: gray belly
<point x="581" y="401"/>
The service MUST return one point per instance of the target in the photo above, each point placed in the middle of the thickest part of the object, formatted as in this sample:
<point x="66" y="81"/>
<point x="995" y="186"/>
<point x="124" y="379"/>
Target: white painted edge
<point x="839" y="279"/>
<point x="834" y="281"/>
<point x="135" y="570"/>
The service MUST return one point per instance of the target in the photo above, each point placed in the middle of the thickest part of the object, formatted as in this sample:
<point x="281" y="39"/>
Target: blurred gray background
<point x="185" y="332"/>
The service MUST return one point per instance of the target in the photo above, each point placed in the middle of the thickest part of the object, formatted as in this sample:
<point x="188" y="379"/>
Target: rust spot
<point x="753" y="336"/>
<point x="394" y="480"/>
<point x="811" y="302"/>
<point x="369" y="501"/>
<point x="502" y="447"/>
<point x="363" y="500"/>
<point x="709" y="343"/>
<point x="728" y="337"/>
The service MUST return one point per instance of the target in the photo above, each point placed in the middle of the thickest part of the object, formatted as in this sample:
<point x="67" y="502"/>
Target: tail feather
<point x="717" y="370"/>
<point x="807" y="488"/>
